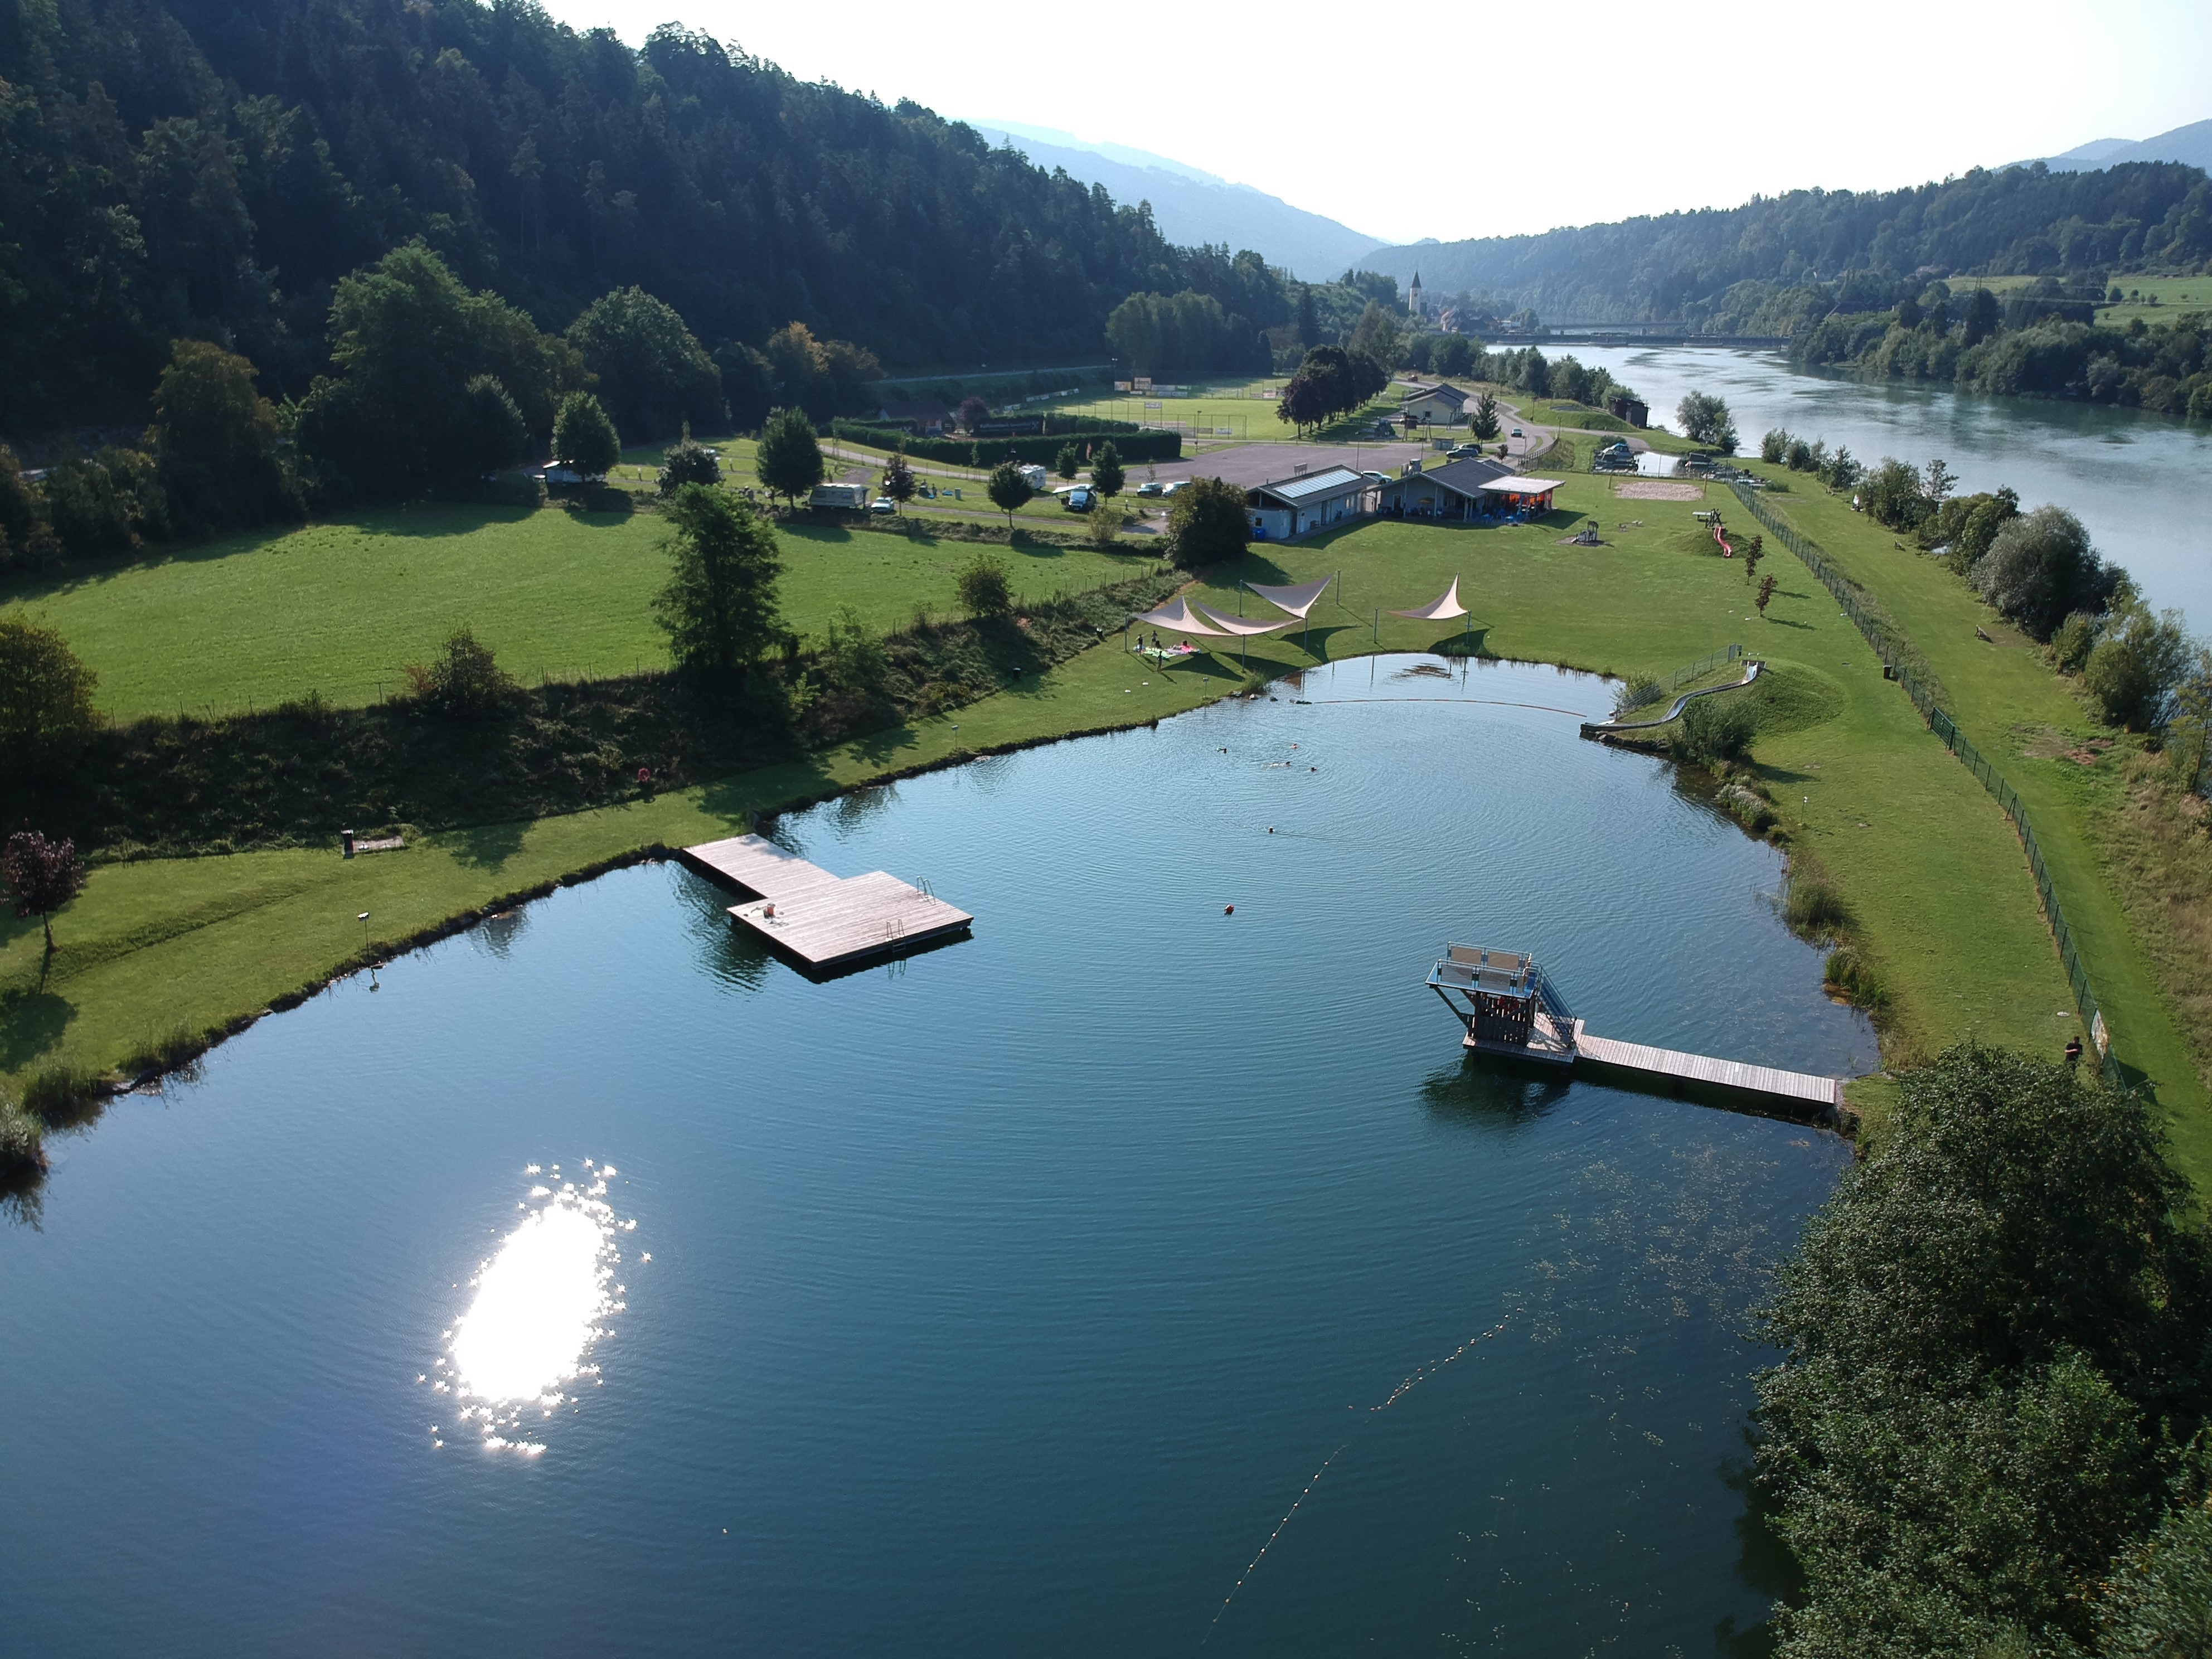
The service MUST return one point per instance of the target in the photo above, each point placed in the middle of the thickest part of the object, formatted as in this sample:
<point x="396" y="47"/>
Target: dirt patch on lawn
<point x="1658" y="490"/>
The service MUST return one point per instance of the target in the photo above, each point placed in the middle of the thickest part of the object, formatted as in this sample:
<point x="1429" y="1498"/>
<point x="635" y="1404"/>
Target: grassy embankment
<point x="2129" y="907"/>
<point x="1944" y="907"/>
<point x="340" y="607"/>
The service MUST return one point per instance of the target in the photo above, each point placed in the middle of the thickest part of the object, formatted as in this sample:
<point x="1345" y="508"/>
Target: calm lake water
<point x="1005" y="1302"/>
<point x="2142" y="483"/>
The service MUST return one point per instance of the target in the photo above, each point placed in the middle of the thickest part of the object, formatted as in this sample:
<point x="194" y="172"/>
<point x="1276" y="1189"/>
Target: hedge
<point x="1132" y="444"/>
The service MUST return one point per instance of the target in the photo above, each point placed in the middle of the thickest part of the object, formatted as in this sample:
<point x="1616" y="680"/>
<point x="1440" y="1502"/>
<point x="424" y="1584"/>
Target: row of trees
<point x="1330" y="382"/>
<point x="1152" y="334"/>
<point x="2040" y="570"/>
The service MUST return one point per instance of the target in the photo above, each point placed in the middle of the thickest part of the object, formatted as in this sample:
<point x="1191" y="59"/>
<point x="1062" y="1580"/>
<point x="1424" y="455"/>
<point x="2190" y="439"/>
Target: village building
<point x="1441" y="404"/>
<point x="1630" y="410"/>
<point x="1292" y="506"/>
<point x="1453" y="490"/>
<point x="927" y="418"/>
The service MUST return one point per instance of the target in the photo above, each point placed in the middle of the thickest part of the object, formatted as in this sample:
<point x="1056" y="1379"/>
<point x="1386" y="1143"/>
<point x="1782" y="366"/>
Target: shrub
<point x="1774" y="447"/>
<point x="985" y="591"/>
<point x="685" y="462"/>
<point x="46" y="698"/>
<point x="463" y="681"/>
<point x="104" y="504"/>
<point x="1813" y="908"/>
<point x="2136" y="669"/>
<point x="22" y="1141"/>
<point x="2076" y="638"/>
<point x="1714" y="729"/>
<point x="1103" y="525"/>
<point x="1847" y="974"/>
<point x="1635" y="694"/>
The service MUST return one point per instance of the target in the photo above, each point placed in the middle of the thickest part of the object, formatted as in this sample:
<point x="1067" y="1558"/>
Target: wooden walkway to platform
<point x="1799" y="1086"/>
<point x="823" y="920"/>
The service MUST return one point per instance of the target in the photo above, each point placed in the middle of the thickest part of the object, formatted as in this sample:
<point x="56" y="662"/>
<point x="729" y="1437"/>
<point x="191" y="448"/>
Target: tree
<point x="826" y="378"/>
<point x="1990" y="1331"/>
<point x="1938" y="482"/>
<point x="985" y="591"/>
<point x="213" y="440"/>
<point x="1009" y="490"/>
<point x="973" y="412"/>
<point x="1206" y="523"/>
<point x="1068" y="462"/>
<point x="653" y="374"/>
<point x="1302" y="404"/>
<point x="1379" y="334"/>
<point x="898" y="480"/>
<point x="789" y="458"/>
<point x="1107" y="476"/>
<point x="1840" y="470"/>
<point x="1483" y="422"/>
<point x="1766" y="586"/>
<point x="1706" y="420"/>
<point x="2040" y="566"/>
<point x="490" y="431"/>
<point x="719" y="609"/>
<point x="2136" y="667"/>
<point x="1774" y="446"/>
<point x="46" y="698"/>
<point x="1753" y="551"/>
<point x="407" y="338"/>
<point x="584" y="439"/>
<point x="1893" y="495"/>
<point x="686" y="462"/>
<point x="748" y="384"/>
<point x="43" y="875"/>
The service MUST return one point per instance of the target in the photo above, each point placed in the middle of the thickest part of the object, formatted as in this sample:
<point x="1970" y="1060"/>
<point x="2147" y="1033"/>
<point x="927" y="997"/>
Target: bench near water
<point x="824" y="920"/>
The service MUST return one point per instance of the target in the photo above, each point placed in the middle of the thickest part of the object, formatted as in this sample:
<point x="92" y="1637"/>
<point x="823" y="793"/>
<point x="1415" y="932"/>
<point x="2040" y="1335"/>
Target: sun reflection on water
<point x="541" y="1304"/>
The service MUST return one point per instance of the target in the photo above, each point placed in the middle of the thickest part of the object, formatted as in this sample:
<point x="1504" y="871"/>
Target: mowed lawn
<point x="340" y="608"/>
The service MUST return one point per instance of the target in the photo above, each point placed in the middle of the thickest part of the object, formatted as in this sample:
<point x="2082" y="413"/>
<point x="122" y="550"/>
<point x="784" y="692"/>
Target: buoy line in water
<point x="1411" y="1380"/>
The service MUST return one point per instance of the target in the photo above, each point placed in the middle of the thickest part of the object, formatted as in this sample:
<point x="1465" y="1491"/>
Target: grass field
<point x="339" y="608"/>
<point x="1931" y="871"/>
<point x="2029" y="722"/>
<point x="2157" y="299"/>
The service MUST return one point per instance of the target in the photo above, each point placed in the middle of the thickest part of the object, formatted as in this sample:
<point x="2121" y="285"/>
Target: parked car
<point x="1518" y="433"/>
<point x="1153" y="487"/>
<point x="883" y="504"/>
<point x="1465" y="452"/>
<point x="1078" y="499"/>
<point x="1180" y="484"/>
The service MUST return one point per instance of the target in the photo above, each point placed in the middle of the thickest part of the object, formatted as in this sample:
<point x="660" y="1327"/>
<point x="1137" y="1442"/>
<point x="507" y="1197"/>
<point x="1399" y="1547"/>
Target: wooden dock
<point x="821" y="920"/>
<point x="1803" y="1089"/>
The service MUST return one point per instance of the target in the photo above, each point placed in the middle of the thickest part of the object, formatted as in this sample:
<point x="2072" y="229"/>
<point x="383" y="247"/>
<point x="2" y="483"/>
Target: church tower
<point x="1413" y="297"/>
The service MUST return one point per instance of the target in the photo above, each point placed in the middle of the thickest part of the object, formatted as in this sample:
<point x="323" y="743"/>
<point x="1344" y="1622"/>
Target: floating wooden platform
<point x="823" y="920"/>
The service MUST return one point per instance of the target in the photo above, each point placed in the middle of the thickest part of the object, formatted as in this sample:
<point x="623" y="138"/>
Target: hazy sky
<point x="1407" y="122"/>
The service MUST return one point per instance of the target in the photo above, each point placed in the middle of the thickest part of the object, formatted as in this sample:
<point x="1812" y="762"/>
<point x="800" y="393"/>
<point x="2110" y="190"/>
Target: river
<point x="1130" y="1278"/>
<point x="2142" y="483"/>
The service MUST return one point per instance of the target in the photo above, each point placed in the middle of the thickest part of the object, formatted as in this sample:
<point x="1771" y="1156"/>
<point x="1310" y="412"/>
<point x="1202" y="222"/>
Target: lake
<point x="1130" y="1278"/>
<point x="2142" y="483"/>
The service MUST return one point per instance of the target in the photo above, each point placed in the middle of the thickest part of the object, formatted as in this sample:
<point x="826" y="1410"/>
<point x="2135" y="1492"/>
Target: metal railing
<point x="1906" y="666"/>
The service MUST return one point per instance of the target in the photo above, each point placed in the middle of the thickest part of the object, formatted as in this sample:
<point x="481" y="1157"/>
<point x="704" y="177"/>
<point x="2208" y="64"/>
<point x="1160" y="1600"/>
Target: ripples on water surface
<point x="1005" y="1302"/>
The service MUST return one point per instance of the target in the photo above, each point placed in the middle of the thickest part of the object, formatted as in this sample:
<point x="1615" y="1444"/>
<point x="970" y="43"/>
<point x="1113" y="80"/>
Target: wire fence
<point x="1704" y="665"/>
<point x="1901" y="663"/>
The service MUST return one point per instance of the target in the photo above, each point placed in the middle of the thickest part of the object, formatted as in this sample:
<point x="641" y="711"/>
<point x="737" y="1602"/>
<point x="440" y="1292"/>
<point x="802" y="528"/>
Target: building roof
<point x="1442" y="388"/>
<point x="1517" y="485"/>
<point x="927" y="409"/>
<point x="1329" y="481"/>
<point x="1462" y="477"/>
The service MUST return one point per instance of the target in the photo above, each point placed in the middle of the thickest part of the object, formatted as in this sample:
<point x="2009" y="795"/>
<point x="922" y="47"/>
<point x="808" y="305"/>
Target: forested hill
<point x="2021" y="220"/>
<point x="209" y="168"/>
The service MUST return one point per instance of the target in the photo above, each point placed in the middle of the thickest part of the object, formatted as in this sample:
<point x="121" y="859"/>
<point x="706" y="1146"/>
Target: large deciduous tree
<point x="652" y="375"/>
<point x="46" y="698"/>
<point x="215" y="441"/>
<point x="1706" y="420"/>
<point x="584" y="440"/>
<point x="1009" y="490"/>
<point x="1206" y="523"/>
<point x="789" y="457"/>
<point x="719" y="609"/>
<point x="2040" y="567"/>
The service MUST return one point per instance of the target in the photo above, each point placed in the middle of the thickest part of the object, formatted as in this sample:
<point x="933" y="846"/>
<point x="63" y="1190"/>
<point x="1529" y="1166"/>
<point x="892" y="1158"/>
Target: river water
<point x="2143" y="483"/>
<point x="1131" y="1278"/>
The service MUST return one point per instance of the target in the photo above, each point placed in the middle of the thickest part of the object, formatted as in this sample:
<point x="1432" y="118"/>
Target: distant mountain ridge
<point x="2190" y="145"/>
<point x="1192" y="206"/>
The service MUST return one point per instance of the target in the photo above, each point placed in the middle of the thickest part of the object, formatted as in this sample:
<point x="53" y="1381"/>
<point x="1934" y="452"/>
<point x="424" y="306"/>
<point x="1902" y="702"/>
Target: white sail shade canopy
<point x="1296" y="600"/>
<point x="1437" y="609"/>
<point x="1174" y="615"/>
<point x="1241" y="626"/>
